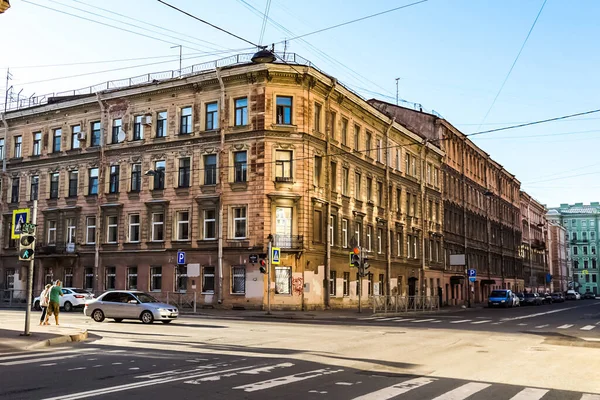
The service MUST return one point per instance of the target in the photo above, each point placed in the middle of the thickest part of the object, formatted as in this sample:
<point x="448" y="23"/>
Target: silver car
<point x="127" y="304"/>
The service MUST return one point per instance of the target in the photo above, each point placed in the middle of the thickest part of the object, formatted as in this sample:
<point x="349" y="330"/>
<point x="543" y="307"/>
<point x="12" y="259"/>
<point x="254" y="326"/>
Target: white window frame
<point x="236" y="219"/>
<point x="37" y="143"/>
<point x="331" y="231"/>
<point x="180" y="223"/>
<point x="129" y="276"/>
<point x="134" y="225"/>
<point x="153" y="275"/>
<point x="52" y="232"/>
<point x="379" y="240"/>
<point x="278" y="281"/>
<point x="204" y="275"/>
<point x="238" y="271"/>
<point x="71" y="230"/>
<point x="155" y="224"/>
<point x="209" y="220"/>
<point x="89" y="240"/>
<point x="398" y="244"/>
<point x="110" y="226"/>
<point x="344" y="232"/>
<point x="357" y="229"/>
<point x="369" y="238"/>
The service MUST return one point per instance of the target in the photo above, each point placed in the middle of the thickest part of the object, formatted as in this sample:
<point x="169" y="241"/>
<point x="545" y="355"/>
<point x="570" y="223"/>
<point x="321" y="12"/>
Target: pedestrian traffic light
<point x="263" y="266"/>
<point x="355" y="260"/>
<point x="26" y="247"/>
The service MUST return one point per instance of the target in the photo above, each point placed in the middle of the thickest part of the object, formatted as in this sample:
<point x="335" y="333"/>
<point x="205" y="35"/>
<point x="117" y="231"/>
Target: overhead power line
<point x="264" y="24"/>
<point x="174" y="56"/>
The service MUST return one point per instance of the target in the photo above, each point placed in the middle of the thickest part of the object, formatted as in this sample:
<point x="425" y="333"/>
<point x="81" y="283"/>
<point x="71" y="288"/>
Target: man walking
<point x="54" y="305"/>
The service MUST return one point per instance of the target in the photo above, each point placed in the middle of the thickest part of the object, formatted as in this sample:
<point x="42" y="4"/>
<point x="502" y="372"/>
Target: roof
<point x="577" y="210"/>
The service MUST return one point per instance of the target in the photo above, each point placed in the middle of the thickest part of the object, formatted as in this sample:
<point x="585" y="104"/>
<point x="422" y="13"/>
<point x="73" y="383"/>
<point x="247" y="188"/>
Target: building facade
<point x="481" y="209"/>
<point x="557" y="255"/>
<point x="534" y="249"/>
<point x="217" y="164"/>
<point x="581" y="224"/>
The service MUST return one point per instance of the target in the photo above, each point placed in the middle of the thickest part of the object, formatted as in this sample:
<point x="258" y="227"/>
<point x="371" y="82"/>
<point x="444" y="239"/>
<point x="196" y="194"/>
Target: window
<point x="112" y="229"/>
<point x="379" y="150"/>
<point x="212" y="116"/>
<point x="346" y="283"/>
<point x="185" y="125"/>
<point x="332" y="229"/>
<point x="73" y="180"/>
<point x="332" y="283"/>
<point x="283" y="280"/>
<point x="317" y="226"/>
<point x="344" y="233"/>
<point x="398" y="159"/>
<point x="240" y="166"/>
<point x="158" y="222"/>
<point x="75" y="131"/>
<point x="35" y="186"/>
<point x="368" y="144"/>
<point x="134" y="228"/>
<point x="345" y="182"/>
<point x="114" y="179"/>
<point x="592" y="235"/>
<point x="239" y="222"/>
<point x="110" y="280"/>
<point x="54" y="177"/>
<point x="585" y="264"/>
<point x="584" y="235"/>
<point x="593" y="248"/>
<point x="37" y="143"/>
<point x="14" y="193"/>
<point x="159" y="175"/>
<point x="381" y="284"/>
<point x="585" y="250"/>
<point x="161" y="124"/>
<point x="184" y="172"/>
<point x="357" y="191"/>
<point x="399" y="244"/>
<point x="398" y="199"/>
<point x="1" y="149"/>
<point x="208" y="279"/>
<point x="88" y="279"/>
<point x="93" y="183"/>
<point x="284" y="110"/>
<point x="356" y="137"/>
<point x="238" y="279"/>
<point x="210" y="224"/>
<point x="90" y="235"/>
<point x="369" y="189"/>
<point x="181" y="278"/>
<point x="183" y="225"/>
<point x="369" y="238"/>
<point x="96" y="132"/>
<point x="333" y="125"/>
<point x="71" y="231"/>
<point x="52" y="233"/>
<point x="369" y="284"/>
<point x="241" y="112"/>
<point x="380" y="194"/>
<point x="333" y="180"/>
<point x="68" y="281"/>
<point x="318" y="109"/>
<point x="379" y="240"/>
<point x="318" y="169"/>
<point x="155" y="279"/>
<point x="132" y="278"/>
<point x="575" y="250"/>
<point x="18" y="146"/>
<point x="283" y="165"/>
<point x="136" y="177"/>
<point x="357" y="232"/>
<point x="344" y="131"/>
<point x="210" y="169"/>
<point x="116" y="130"/>
<point x="138" y="131"/>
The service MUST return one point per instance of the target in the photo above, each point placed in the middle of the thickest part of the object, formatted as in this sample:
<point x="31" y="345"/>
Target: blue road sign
<point x="275" y="253"/>
<point x="472" y="275"/>
<point x="181" y="257"/>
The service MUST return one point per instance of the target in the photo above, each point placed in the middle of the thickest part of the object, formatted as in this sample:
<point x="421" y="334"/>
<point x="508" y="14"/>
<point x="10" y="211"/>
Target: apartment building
<point x="217" y="163"/>
<point x="534" y="248"/>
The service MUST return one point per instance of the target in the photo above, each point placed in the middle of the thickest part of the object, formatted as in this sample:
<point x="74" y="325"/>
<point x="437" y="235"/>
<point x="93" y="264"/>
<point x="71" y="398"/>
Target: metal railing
<point x="288" y="241"/>
<point x="181" y="300"/>
<point x="13" y="298"/>
<point x="398" y="304"/>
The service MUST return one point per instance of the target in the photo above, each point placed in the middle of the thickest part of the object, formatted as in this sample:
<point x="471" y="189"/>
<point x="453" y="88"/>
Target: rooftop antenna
<point x="179" y="57"/>
<point x="397" y="98"/>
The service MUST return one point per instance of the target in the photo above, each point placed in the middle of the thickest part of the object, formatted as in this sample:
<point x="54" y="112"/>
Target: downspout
<point x="388" y="246"/>
<point x="423" y="163"/>
<point x="99" y="224"/>
<point x="220" y="191"/>
<point x="5" y="153"/>
<point x="464" y="204"/>
<point x="529" y="245"/>
<point x="328" y="198"/>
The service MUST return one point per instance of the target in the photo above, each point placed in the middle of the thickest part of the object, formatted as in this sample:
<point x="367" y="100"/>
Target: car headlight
<point x="503" y="301"/>
<point x="163" y="310"/>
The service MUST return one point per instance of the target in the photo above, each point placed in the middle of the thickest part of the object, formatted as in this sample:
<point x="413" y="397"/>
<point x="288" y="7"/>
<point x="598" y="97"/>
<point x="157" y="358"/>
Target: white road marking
<point x="385" y="319"/>
<point x="367" y="318"/>
<point x="316" y="391"/>
<point x="344" y="383"/>
<point x="522" y="324"/>
<point x="539" y="314"/>
<point x="76" y="369"/>
<point x="397" y="389"/>
<point x="423" y="320"/>
<point x="481" y="322"/>
<point x="464" y="391"/>
<point x="588" y="327"/>
<point x="36" y="354"/>
<point x="133" y="369"/>
<point x="588" y="396"/>
<point x="436" y="321"/>
<point x="47" y="365"/>
<point x="541" y="326"/>
<point x="284" y="380"/>
<point x="403" y="319"/>
<point x="565" y="326"/>
<point x="36" y="360"/>
<point x="118" y="363"/>
<point x="530" y="394"/>
<point x="460" y="321"/>
<point x="268" y="368"/>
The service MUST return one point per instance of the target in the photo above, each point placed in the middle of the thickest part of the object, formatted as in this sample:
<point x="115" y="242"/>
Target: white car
<point x="126" y="304"/>
<point x="71" y="298"/>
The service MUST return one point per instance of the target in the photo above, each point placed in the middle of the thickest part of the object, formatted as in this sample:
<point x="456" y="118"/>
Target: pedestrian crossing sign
<point x="19" y="218"/>
<point x="275" y="253"/>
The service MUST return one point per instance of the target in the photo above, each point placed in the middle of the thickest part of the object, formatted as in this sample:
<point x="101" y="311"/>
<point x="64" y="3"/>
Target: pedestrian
<point x="54" y="304"/>
<point x="44" y="299"/>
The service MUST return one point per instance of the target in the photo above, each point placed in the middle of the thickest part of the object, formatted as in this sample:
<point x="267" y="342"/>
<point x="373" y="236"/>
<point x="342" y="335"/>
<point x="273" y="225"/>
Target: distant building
<point x="534" y="246"/>
<point x="557" y="255"/>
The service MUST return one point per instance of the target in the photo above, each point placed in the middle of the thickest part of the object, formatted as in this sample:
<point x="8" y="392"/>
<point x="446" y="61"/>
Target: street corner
<point x="58" y="339"/>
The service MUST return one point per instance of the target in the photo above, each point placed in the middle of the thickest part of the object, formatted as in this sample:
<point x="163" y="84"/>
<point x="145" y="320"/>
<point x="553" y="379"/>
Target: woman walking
<point x="44" y="299"/>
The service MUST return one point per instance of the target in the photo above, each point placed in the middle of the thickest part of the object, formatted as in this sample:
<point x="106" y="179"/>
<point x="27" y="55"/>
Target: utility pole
<point x="30" y="275"/>
<point x="397" y="98"/>
<point x="8" y="89"/>
<point x="180" y="49"/>
<point x="360" y="276"/>
<point x="269" y="250"/>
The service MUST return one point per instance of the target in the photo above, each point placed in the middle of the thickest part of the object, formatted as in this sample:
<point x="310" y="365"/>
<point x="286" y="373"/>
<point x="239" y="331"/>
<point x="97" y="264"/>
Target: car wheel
<point x="147" y="317"/>
<point x="68" y="306"/>
<point x="98" y="316"/>
<point x="118" y="319"/>
<point x="167" y="322"/>
<point x="36" y="306"/>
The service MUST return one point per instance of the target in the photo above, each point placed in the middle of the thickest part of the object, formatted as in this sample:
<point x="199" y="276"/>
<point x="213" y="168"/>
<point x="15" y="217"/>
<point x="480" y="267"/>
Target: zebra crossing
<point x="588" y="326"/>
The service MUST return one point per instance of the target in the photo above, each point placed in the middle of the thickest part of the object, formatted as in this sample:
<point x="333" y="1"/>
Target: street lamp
<point x="263" y="56"/>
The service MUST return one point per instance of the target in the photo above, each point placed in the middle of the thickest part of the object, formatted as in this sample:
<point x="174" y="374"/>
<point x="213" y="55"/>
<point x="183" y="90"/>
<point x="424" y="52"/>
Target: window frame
<point x="34" y="188"/>
<point x="238" y="271"/>
<point x="208" y="271"/>
<point x="155" y="272"/>
<point x="154" y="227"/>
<point x="237" y="219"/>
<point x="138" y="129"/>
<point x="73" y="183"/>
<point x="133" y="226"/>
<point x="184" y="174"/>
<point x="15" y="188"/>
<point x="71" y="236"/>
<point x="210" y="170"/>
<point x="132" y="276"/>
<point x="18" y="147"/>
<point x="344" y="233"/>
<point x="136" y="177"/>
<point x="160" y="170"/>
<point x="281" y="173"/>
<point x="75" y="131"/>
<point x="117" y="125"/>
<point x="51" y="234"/>
<point x="240" y="113"/>
<point x="206" y="221"/>
<point x="37" y="144"/>
<point x="93" y="181"/>
<point x="211" y="116"/>
<point x="96" y="134"/>
<point x="284" y="113"/>
<point x="87" y="230"/>
<point x="240" y="167"/>
<point x="54" y="185"/>
<point x="112" y="228"/>
<point x="180" y="224"/>
<point x="161" y="124"/>
<point x="287" y="290"/>
<point x="185" y="120"/>
<point x="114" y="177"/>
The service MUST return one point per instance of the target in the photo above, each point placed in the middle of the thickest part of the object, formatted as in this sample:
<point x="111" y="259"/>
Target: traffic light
<point x="263" y="266"/>
<point x="26" y="247"/>
<point x="364" y="267"/>
<point x="355" y="260"/>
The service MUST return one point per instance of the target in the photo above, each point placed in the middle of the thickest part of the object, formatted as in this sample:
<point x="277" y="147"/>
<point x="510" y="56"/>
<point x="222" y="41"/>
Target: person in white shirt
<point x="44" y="299"/>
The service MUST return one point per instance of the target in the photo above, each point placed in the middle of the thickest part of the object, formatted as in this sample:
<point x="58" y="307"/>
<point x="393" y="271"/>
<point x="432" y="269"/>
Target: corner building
<point x="216" y="164"/>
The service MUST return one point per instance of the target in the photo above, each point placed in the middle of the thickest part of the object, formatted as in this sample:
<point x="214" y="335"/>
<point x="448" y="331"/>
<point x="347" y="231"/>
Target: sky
<point x="451" y="56"/>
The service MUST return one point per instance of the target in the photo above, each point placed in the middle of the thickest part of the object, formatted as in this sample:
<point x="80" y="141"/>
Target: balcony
<point x="538" y="244"/>
<point x="288" y="242"/>
<point x="58" y="249"/>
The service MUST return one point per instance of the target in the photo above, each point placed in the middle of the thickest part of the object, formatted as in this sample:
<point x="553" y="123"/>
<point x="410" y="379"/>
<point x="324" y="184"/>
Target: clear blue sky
<point x="451" y="56"/>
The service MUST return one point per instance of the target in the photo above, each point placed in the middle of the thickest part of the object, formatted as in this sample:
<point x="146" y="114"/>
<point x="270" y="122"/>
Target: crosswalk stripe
<point x="437" y="321"/>
<point x="395" y="390"/>
<point x="530" y="394"/>
<point x="588" y="396"/>
<point x="541" y="326"/>
<point x="565" y="326"/>
<point x="368" y="318"/>
<point x="588" y="328"/>
<point x="461" y="321"/>
<point x="464" y="391"/>
<point x="424" y="320"/>
<point x="385" y="319"/>
<point x="284" y="380"/>
<point x="481" y="322"/>
<point x="42" y="353"/>
<point x="403" y="319"/>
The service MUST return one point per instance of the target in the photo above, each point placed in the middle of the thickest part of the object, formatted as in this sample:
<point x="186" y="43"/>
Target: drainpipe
<point x="328" y="192"/>
<point x="4" y="150"/>
<point x="423" y="164"/>
<point x="463" y="201"/>
<point x="100" y="195"/>
<point x="220" y="192"/>
<point x="388" y="247"/>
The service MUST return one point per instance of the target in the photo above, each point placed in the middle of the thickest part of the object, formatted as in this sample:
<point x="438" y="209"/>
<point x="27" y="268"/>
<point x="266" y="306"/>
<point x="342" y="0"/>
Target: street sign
<point x="181" y="257"/>
<point x="585" y="272"/>
<point x="253" y="258"/>
<point x="472" y="275"/>
<point x="19" y="218"/>
<point x="275" y="253"/>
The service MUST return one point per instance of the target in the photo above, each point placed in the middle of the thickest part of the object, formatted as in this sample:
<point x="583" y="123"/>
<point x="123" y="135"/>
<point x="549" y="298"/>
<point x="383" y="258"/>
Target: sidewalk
<point x="41" y="336"/>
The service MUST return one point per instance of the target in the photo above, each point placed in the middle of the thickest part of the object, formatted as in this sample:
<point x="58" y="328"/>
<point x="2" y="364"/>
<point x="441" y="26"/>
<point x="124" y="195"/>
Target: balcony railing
<point x="294" y="242"/>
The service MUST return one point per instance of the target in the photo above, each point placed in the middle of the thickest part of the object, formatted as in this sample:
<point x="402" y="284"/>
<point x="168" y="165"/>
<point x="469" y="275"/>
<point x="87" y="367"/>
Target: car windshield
<point x="529" y="295"/>
<point x="498" y="293"/>
<point x="145" y="298"/>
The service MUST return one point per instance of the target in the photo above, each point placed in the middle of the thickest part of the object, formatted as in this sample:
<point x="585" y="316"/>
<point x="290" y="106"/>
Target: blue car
<point x="500" y="298"/>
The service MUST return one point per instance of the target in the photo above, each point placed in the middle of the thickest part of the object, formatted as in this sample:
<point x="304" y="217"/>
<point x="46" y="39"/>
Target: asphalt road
<point x="106" y="372"/>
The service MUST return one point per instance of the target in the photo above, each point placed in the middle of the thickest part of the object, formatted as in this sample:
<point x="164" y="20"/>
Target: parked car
<point x="500" y="298"/>
<point x="572" y="295"/>
<point x="72" y="298"/>
<point x="546" y="298"/>
<point x="521" y="297"/>
<point x="558" y="297"/>
<point x="589" y="296"/>
<point x="516" y="301"/>
<point x="125" y="304"/>
<point x="532" y="299"/>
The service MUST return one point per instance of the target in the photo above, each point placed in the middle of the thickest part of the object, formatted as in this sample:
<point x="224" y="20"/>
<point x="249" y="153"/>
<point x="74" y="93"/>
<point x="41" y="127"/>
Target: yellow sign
<point x="19" y="218"/>
<point x="275" y="255"/>
<point x="585" y="272"/>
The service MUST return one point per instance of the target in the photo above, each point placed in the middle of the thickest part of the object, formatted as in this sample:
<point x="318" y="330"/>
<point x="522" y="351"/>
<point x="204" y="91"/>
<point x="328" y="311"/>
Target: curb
<point x="78" y="337"/>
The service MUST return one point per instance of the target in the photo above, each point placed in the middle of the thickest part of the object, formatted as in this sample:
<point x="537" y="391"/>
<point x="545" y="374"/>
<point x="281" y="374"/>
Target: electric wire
<point x="264" y="24"/>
